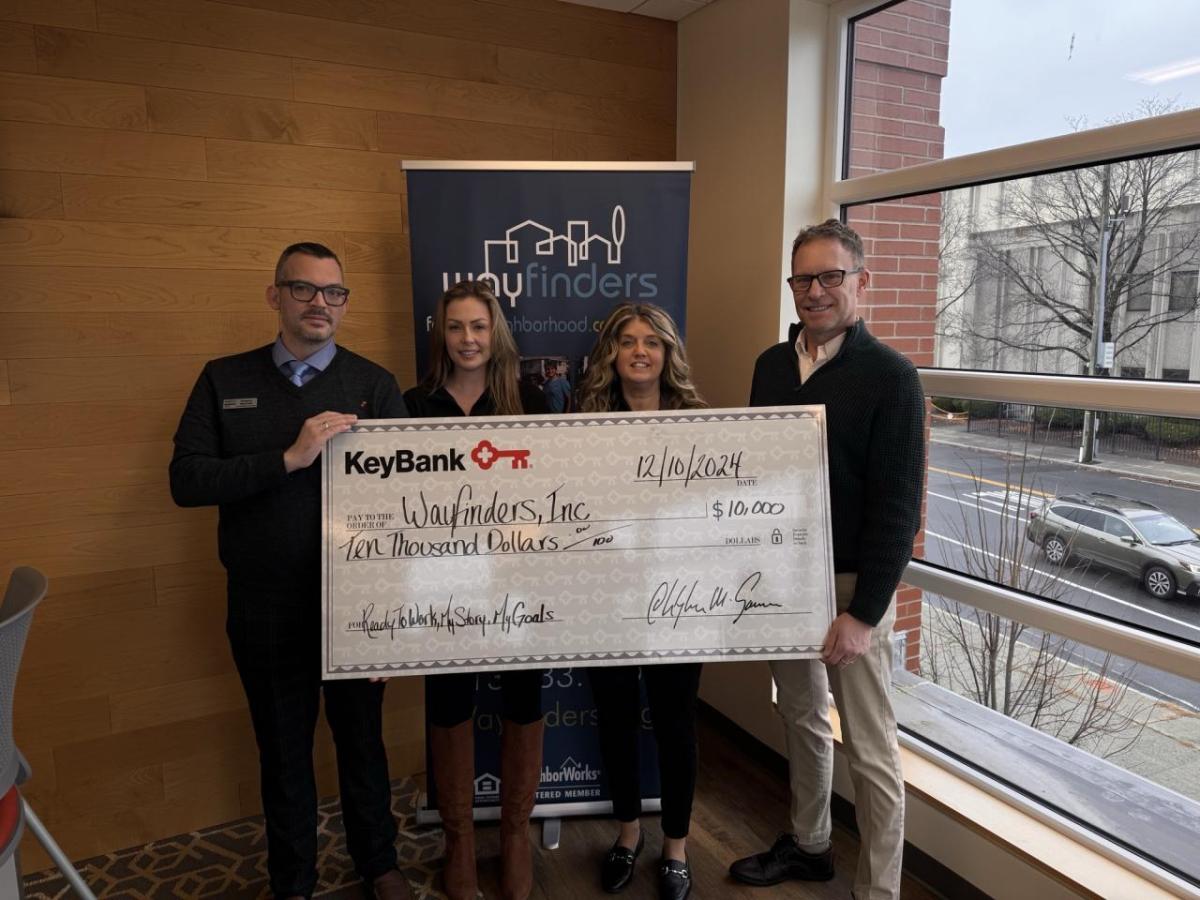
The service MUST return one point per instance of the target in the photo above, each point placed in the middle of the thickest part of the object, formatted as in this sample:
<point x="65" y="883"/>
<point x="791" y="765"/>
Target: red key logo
<point x="485" y="456"/>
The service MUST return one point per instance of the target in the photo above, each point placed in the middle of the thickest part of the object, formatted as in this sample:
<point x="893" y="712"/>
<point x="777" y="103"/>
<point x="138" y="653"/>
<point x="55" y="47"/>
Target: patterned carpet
<point x="229" y="861"/>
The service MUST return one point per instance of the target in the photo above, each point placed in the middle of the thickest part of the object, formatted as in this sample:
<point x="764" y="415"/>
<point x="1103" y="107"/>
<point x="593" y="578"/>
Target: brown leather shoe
<point x="453" y="751"/>
<point x="520" y="773"/>
<point x="390" y="886"/>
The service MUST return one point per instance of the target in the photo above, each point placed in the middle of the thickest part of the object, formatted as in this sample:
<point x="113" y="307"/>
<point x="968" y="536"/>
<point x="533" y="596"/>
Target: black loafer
<point x="674" y="879"/>
<point x="617" y="870"/>
<point x="783" y="862"/>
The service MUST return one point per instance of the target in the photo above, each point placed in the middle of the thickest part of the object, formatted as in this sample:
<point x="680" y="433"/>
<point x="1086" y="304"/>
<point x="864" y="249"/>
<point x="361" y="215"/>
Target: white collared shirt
<point x="825" y="353"/>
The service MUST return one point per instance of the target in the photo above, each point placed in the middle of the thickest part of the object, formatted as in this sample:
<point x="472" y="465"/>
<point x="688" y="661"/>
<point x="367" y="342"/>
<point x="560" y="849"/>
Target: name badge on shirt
<point x="240" y="403"/>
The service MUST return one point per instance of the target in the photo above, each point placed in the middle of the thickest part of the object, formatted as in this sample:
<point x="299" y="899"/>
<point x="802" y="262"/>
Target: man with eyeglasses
<point x="247" y="442"/>
<point x="875" y="415"/>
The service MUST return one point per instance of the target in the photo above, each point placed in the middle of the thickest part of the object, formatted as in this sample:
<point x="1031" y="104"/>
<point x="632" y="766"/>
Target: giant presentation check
<point x="545" y="541"/>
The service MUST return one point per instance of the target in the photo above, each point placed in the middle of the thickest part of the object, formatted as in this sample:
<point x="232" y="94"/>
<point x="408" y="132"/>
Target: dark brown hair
<point x="503" y="361"/>
<point x="307" y="248"/>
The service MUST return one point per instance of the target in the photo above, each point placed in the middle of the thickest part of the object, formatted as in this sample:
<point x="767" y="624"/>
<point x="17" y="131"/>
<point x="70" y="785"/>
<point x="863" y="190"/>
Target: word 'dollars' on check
<point x="485" y="544"/>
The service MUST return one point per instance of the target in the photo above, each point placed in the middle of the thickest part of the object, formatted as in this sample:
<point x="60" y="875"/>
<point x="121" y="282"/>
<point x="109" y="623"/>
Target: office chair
<point x="26" y="588"/>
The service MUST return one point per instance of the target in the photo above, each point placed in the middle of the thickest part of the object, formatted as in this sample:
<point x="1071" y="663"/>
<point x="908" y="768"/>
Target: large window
<point x="1050" y="274"/>
<point x="1049" y="294"/>
<point x="963" y="76"/>
<point x="1008" y="502"/>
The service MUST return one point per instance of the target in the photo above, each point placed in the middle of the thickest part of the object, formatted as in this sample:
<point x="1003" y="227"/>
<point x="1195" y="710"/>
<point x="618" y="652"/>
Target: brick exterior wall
<point x="899" y="61"/>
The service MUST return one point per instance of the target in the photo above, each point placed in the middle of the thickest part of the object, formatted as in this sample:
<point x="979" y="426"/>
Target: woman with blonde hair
<point x="639" y="363"/>
<point x="474" y="372"/>
<point x="605" y="387"/>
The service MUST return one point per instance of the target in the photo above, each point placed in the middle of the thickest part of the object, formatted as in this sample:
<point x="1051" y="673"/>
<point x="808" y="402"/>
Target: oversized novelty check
<point x="546" y="541"/>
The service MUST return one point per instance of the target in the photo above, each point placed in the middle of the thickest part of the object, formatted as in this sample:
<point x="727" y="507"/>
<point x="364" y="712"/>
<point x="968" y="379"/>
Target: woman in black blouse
<point x="473" y="372"/>
<point x="639" y="363"/>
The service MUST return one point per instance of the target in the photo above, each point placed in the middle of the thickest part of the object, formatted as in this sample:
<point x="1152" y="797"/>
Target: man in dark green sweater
<point x="875" y="415"/>
<point x="252" y="430"/>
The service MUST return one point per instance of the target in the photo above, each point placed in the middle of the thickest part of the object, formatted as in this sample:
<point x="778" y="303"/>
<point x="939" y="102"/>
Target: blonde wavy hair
<point x="503" y="364"/>
<point x="600" y="388"/>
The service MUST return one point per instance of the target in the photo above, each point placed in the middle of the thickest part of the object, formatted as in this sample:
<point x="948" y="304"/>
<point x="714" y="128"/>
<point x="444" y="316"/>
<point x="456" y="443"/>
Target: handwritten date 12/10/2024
<point x="689" y="466"/>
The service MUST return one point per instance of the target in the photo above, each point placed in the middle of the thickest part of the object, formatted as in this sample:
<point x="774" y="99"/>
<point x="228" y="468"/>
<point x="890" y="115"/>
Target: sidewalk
<point x="1015" y="446"/>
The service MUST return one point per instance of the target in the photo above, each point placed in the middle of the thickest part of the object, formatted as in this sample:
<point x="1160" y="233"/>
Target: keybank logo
<point x="401" y="461"/>
<point x="570" y="772"/>
<point x="484" y="455"/>
<point x="578" y="247"/>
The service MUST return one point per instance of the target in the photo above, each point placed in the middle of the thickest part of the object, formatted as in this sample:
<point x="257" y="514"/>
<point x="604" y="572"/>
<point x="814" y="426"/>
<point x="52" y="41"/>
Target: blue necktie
<point x="301" y="372"/>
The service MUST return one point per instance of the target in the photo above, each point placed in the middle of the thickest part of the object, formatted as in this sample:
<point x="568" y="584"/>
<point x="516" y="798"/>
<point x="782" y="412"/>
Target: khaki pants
<point x="862" y="692"/>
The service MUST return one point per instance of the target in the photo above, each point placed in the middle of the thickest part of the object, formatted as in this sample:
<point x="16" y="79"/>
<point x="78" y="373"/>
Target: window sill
<point x="1046" y="770"/>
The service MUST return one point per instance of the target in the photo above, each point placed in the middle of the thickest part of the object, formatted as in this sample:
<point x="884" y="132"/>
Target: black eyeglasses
<point x="831" y="279"/>
<point x="304" y="291"/>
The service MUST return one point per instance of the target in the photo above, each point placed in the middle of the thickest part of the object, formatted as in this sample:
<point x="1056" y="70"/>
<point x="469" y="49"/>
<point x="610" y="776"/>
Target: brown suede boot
<point x="520" y="772"/>
<point x="454" y="774"/>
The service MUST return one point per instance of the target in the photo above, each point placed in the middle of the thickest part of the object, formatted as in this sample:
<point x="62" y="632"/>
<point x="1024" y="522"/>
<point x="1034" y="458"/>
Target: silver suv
<point x="1130" y="536"/>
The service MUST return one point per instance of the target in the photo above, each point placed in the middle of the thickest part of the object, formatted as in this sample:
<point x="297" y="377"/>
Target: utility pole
<point x="1108" y="225"/>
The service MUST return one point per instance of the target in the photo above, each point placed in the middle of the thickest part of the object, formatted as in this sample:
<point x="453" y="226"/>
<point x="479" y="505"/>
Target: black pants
<point x="276" y="646"/>
<point x="450" y="699"/>
<point x="671" y="691"/>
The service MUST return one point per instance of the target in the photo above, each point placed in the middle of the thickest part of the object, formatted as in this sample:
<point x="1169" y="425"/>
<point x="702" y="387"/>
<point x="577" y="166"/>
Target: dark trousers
<point x="671" y="692"/>
<point x="450" y="699"/>
<point x="276" y="646"/>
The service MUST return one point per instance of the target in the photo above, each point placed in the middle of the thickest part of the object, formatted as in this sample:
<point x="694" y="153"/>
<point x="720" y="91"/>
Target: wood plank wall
<point x="155" y="157"/>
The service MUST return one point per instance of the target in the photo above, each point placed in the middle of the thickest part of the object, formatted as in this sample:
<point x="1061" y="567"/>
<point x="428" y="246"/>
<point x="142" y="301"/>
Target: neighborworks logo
<point x="401" y="462"/>
<point x="570" y="772"/>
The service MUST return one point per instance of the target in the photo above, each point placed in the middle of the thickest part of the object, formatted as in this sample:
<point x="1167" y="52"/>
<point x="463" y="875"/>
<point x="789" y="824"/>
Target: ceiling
<point x="659" y="9"/>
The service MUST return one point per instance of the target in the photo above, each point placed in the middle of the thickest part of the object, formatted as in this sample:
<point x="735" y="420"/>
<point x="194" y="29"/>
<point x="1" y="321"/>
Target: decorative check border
<point x="576" y="420"/>
<point x="545" y="660"/>
<point x="570" y="420"/>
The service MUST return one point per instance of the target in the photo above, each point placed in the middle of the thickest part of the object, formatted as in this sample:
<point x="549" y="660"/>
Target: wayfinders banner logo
<point x="561" y="248"/>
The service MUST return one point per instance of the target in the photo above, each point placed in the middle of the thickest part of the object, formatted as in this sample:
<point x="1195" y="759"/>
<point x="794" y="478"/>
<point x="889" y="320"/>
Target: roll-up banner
<point x="563" y="243"/>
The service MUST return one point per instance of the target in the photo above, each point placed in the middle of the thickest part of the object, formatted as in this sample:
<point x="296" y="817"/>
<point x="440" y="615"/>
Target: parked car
<point x="1130" y="536"/>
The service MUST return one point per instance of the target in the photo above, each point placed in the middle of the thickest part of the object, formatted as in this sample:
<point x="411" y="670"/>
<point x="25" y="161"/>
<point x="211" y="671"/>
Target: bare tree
<point x="1041" y="249"/>
<point x="1037" y="678"/>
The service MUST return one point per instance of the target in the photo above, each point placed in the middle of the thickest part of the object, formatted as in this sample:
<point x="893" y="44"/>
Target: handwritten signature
<point x="676" y="599"/>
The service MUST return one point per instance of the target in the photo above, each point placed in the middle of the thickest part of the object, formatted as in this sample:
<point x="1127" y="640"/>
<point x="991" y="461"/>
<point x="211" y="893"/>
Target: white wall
<point x="807" y="143"/>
